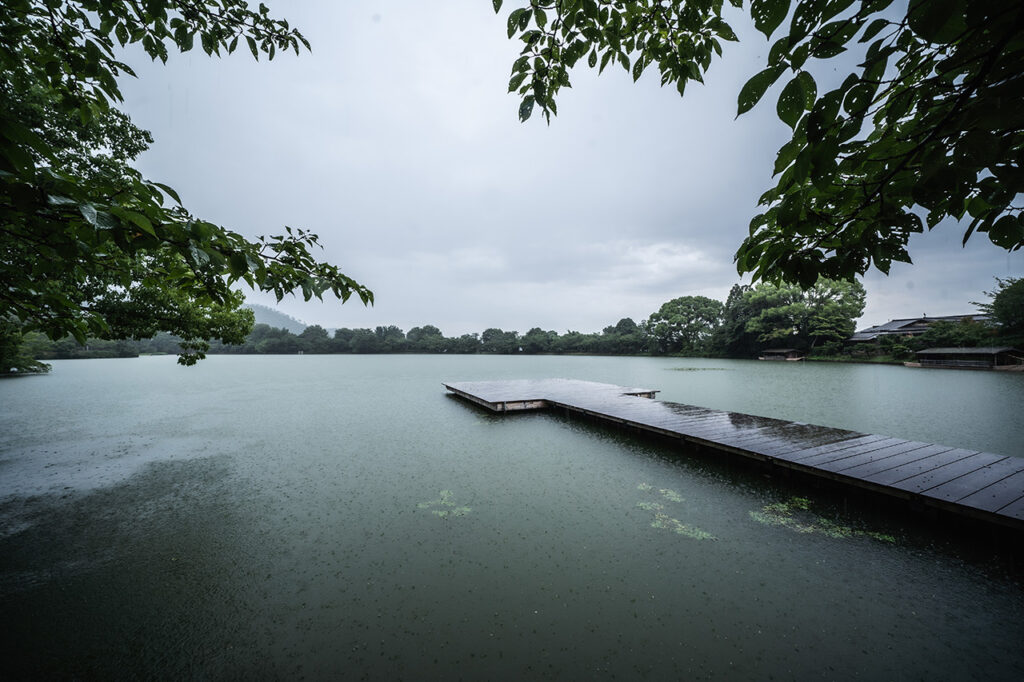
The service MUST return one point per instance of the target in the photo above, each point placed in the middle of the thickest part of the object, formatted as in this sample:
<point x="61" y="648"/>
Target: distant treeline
<point x="751" y="319"/>
<point x="818" y="322"/>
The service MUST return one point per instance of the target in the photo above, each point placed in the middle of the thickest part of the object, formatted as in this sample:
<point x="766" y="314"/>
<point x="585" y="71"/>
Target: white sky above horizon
<point x="396" y="142"/>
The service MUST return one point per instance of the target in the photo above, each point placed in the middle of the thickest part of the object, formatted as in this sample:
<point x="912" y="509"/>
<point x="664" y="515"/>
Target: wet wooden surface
<point x="979" y="484"/>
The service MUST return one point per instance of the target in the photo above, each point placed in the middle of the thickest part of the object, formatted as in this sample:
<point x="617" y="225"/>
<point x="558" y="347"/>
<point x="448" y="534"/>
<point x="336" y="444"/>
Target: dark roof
<point x="987" y="350"/>
<point x="779" y="350"/>
<point x="912" y="324"/>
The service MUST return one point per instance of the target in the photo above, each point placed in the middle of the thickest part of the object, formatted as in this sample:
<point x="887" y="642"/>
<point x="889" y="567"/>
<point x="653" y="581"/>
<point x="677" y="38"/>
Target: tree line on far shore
<point x="818" y="322"/>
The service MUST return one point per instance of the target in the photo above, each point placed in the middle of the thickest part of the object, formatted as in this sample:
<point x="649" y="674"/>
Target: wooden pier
<point x="976" y="484"/>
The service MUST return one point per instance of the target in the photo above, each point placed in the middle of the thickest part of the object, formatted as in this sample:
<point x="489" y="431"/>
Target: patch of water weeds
<point x="699" y="369"/>
<point x="447" y="506"/>
<point x="796" y="515"/>
<point x="662" y="520"/>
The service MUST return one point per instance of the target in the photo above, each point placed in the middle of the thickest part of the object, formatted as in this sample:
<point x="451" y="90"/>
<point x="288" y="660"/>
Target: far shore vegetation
<point x="817" y="322"/>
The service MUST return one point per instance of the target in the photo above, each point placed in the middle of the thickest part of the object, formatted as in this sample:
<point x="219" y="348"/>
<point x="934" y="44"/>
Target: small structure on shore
<point x="970" y="358"/>
<point x="791" y="354"/>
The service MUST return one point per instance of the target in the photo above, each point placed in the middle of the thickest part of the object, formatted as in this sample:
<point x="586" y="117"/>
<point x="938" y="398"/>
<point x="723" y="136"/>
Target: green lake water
<point x="342" y="517"/>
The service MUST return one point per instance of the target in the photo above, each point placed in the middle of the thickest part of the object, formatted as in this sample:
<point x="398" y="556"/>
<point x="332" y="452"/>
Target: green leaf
<point x="768" y="14"/>
<point x="169" y="191"/>
<point x="137" y="219"/>
<point x="516" y="81"/>
<point x="873" y="29"/>
<point x="238" y="263"/>
<point x="755" y="88"/>
<point x="827" y="50"/>
<point x="937" y="21"/>
<point x="185" y="41"/>
<point x="835" y="7"/>
<point x="779" y="51"/>
<point x="787" y="153"/>
<point x="810" y="89"/>
<point x="822" y="117"/>
<point x="724" y="30"/>
<point x="88" y="212"/>
<point x="790" y="209"/>
<point x="526" y="108"/>
<point x="513" y="21"/>
<point x="497" y="5"/>
<point x="858" y="99"/>
<point x="638" y="69"/>
<point x="1007" y="232"/>
<point x="790" y="106"/>
<point x="524" y="19"/>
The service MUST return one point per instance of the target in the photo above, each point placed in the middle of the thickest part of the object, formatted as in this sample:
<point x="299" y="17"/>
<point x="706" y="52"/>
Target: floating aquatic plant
<point x="786" y="513"/>
<point x="675" y="525"/>
<point x="445" y="500"/>
<point x="696" y="369"/>
<point x="663" y="520"/>
<point x="671" y="495"/>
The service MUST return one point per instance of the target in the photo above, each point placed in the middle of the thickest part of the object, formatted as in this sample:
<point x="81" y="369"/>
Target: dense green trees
<point x="425" y="339"/>
<point x="88" y="247"/>
<point x="789" y="316"/>
<point x="626" y="337"/>
<point x="19" y="351"/>
<point x="942" y="334"/>
<point x="926" y="126"/>
<point x="538" y="341"/>
<point x="751" y="319"/>
<point x="1007" y="306"/>
<point x="731" y="338"/>
<point x="498" y="341"/>
<point x="314" y="339"/>
<point x="684" y="325"/>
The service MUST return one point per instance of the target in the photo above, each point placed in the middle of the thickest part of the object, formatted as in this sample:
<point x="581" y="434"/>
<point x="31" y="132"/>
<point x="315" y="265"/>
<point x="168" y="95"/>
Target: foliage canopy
<point x="928" y="126"/>
<point x="1007" y="305"/>
<point x="684" y="324"/>
<point x="87" y="245"/>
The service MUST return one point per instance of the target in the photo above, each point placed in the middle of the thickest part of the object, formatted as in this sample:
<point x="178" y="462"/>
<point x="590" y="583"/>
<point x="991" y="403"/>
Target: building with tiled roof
<point x="912" y="326"/>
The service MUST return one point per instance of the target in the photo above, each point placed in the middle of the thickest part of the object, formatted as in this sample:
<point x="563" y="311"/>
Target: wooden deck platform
<point x="967" y="482"/>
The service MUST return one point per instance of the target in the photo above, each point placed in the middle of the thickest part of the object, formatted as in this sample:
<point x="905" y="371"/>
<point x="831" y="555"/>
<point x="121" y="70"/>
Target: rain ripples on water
<point x="284" y="517"/>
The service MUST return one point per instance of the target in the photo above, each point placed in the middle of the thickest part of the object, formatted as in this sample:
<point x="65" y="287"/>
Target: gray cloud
<point x="396" y="142"/>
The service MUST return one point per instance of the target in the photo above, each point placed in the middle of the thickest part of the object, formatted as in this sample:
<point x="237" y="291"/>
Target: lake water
<point x="342" y="517"/>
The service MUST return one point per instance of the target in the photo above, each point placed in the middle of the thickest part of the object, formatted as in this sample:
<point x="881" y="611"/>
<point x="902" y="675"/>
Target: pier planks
<point x="977" y="484"/>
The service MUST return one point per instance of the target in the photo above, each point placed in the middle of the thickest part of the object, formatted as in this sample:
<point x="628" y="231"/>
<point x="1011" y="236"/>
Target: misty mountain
<point x="276" y="319"/>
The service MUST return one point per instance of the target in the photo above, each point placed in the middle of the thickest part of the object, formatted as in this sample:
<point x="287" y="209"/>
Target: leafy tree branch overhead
<point x="927" y="126"/>
<point x="87" y="245"/>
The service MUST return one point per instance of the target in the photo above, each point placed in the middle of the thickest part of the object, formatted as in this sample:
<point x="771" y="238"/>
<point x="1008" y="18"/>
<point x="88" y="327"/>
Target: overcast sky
<point x="396" y="142"/>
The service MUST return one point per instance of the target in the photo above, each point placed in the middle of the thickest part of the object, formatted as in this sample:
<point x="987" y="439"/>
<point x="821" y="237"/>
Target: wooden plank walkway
<point x="981" y="485"/>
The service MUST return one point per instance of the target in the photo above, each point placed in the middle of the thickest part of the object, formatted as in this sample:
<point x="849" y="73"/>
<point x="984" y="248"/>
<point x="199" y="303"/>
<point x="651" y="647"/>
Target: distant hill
<point x="274" y="318"/>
